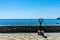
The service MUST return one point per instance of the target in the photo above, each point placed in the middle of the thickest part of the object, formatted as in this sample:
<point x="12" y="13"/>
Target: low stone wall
<point x="51" y="28"/>
<point x="15" y="29"/>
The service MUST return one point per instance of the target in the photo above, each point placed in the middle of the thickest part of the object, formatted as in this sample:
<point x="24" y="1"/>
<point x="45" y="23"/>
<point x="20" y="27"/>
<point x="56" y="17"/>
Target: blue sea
<point x="28" y="22"/>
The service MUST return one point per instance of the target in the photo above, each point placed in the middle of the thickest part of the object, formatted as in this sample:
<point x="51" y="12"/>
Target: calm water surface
<point x="28" y="22"/>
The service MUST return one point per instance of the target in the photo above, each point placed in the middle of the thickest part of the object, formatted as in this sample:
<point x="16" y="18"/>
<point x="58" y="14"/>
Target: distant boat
<point x="58" y="18"/>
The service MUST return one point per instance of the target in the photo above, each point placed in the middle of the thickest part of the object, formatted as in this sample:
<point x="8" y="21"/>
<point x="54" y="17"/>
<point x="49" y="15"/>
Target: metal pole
<point x="40" y="21"/>
<point x="41" y="31"/>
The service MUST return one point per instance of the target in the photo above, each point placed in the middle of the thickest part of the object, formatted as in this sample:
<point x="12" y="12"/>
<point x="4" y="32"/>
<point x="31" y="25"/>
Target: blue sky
<point x="29" y="9"/>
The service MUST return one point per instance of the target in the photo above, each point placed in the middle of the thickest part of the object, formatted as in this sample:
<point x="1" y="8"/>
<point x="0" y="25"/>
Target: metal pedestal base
<point x="42" y="33"/>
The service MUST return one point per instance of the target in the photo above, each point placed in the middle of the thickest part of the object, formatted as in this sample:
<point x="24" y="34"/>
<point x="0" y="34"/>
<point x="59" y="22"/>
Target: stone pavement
<point x="28" y="36"/>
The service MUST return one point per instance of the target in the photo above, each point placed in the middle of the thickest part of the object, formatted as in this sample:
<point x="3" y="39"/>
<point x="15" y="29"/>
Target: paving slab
<point x="28" y="36"/>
